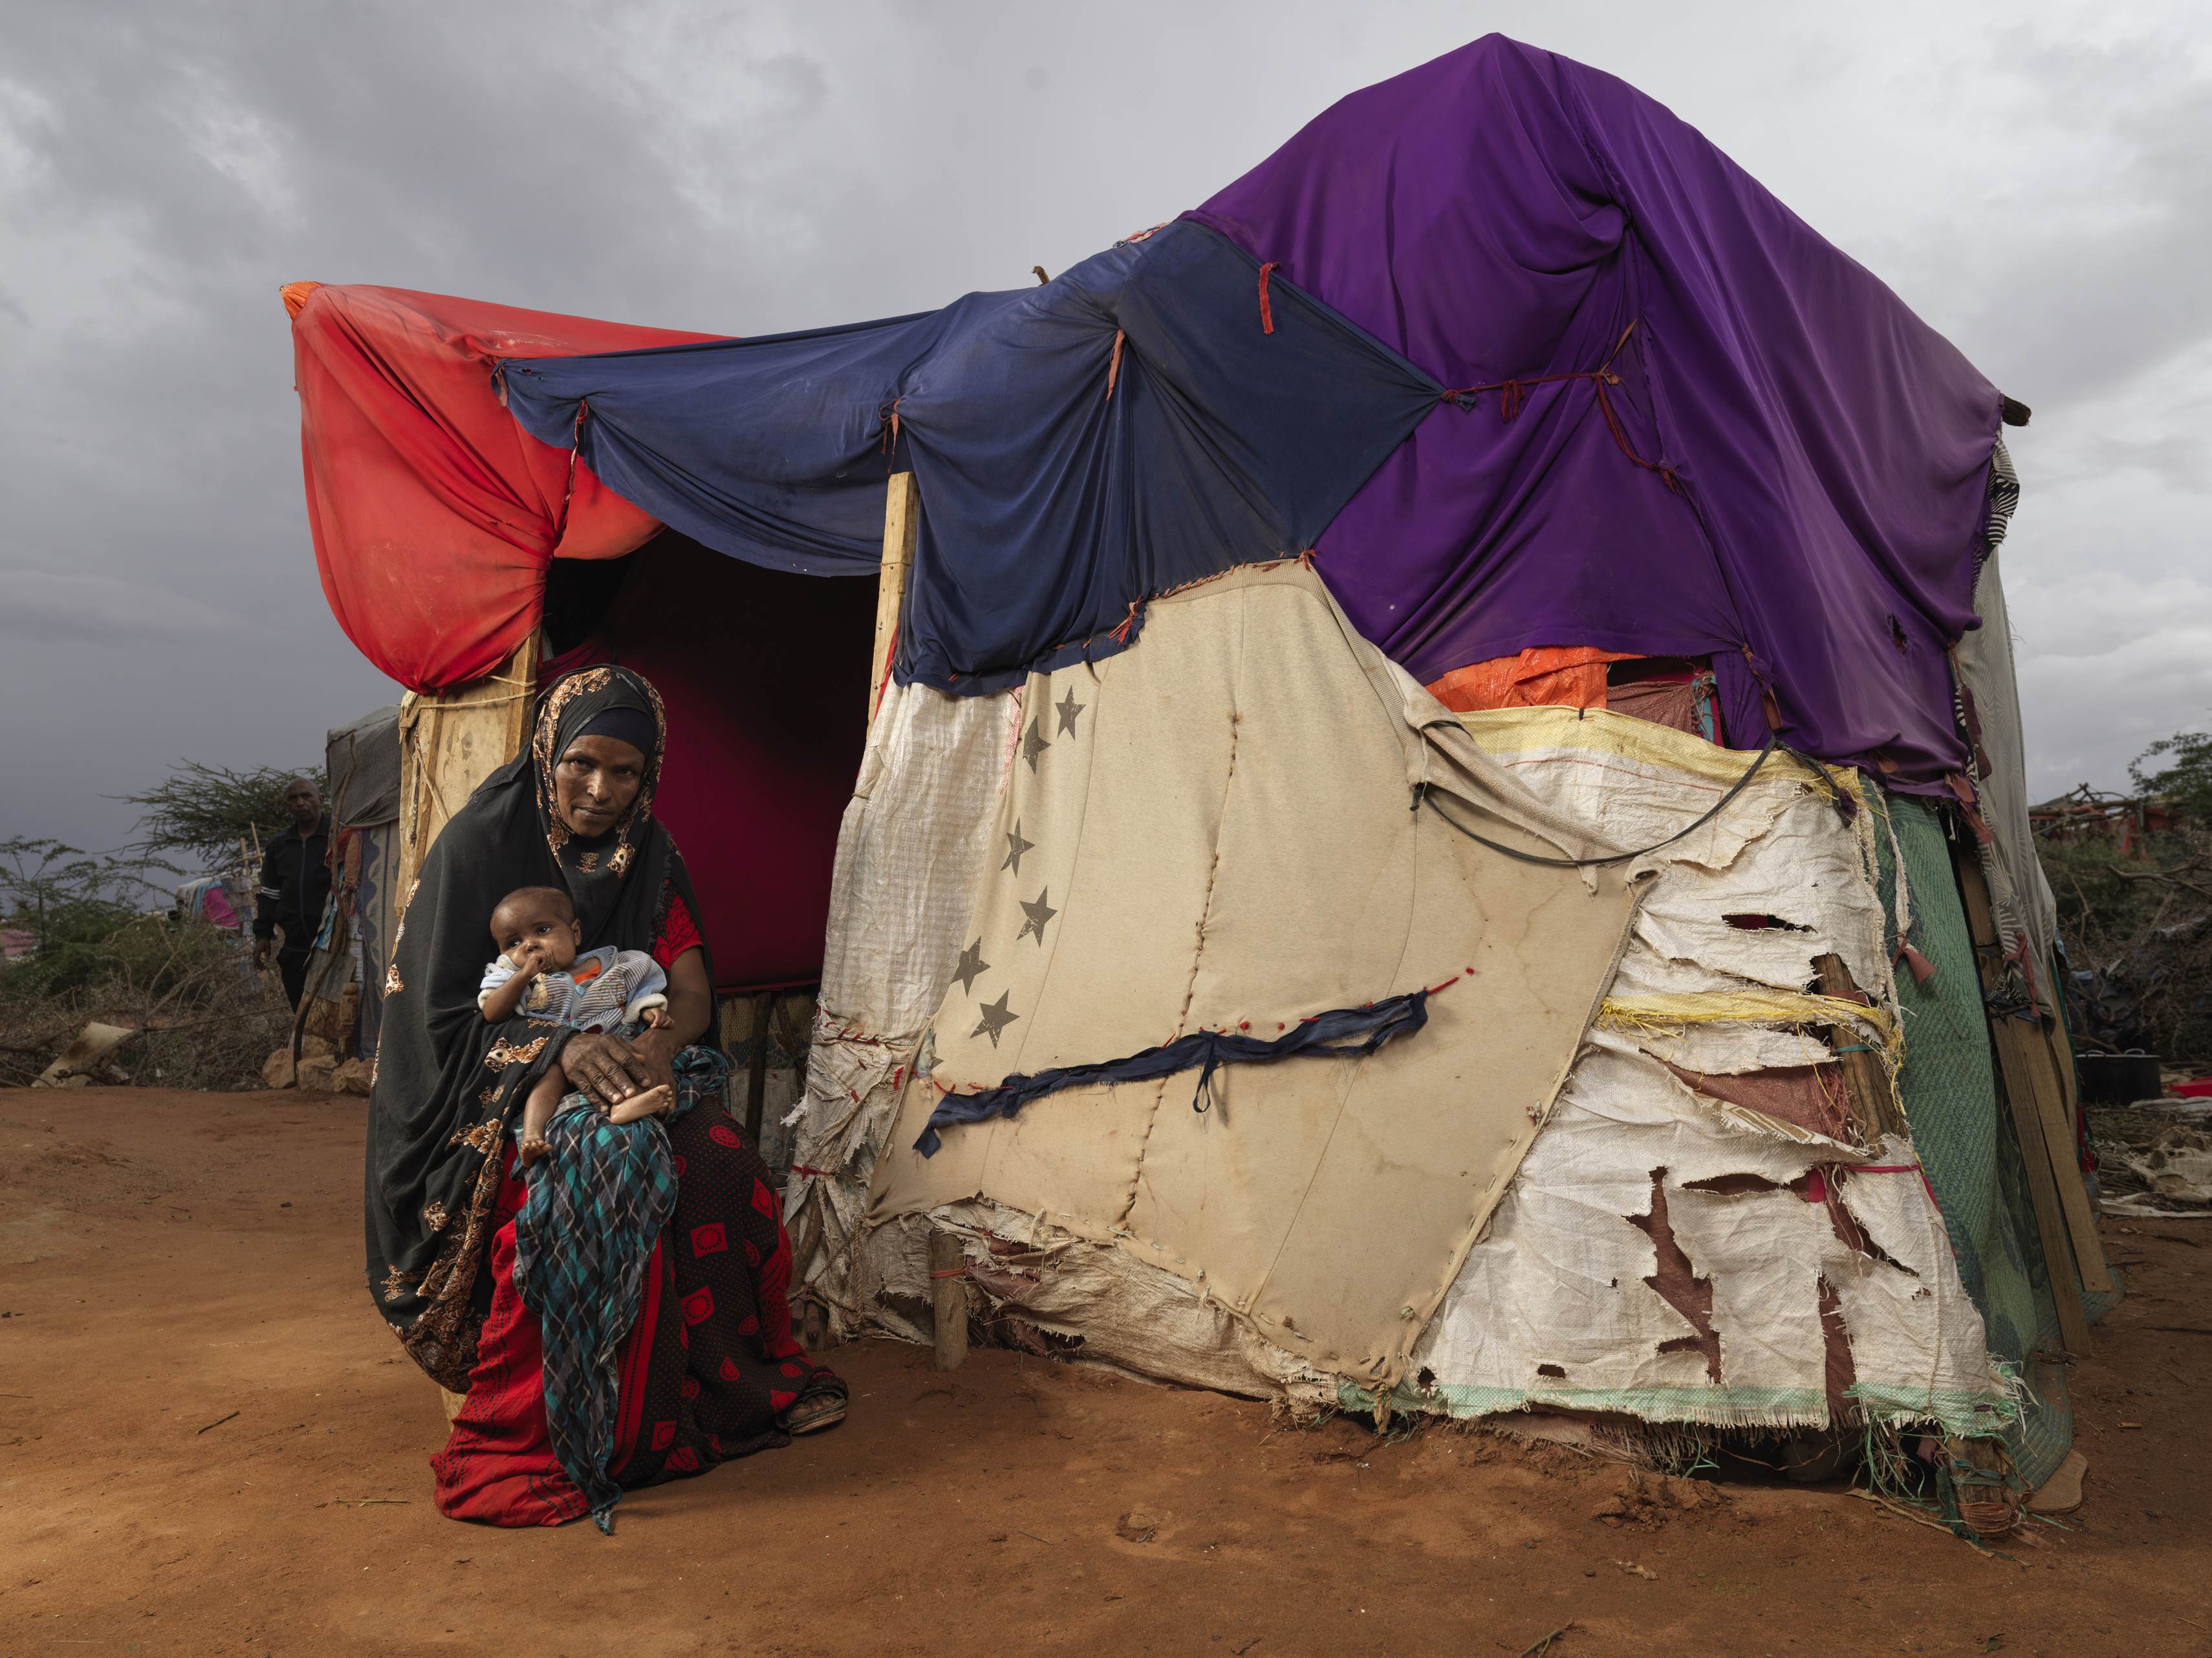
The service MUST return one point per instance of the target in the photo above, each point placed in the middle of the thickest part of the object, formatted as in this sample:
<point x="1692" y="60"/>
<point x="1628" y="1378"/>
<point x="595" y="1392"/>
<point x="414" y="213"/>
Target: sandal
<point x="822" y="1406"/>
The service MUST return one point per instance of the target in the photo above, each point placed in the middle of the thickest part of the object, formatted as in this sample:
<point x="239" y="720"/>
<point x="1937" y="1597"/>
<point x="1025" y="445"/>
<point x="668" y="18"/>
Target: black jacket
<point x="296" y="885"/>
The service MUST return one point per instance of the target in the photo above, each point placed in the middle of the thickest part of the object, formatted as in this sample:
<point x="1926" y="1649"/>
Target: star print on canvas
<point x="994" y="1018"/>
<point x="972" y="967"/>
<point x="1034" y="744"/>
<point x="1039" y="912"/>
<point x="1068" y="707"/>
<point x="1015" y="847"/>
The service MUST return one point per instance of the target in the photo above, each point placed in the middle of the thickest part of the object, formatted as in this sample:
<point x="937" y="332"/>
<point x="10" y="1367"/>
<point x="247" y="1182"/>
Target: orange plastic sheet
<point x="1546" y="675"/>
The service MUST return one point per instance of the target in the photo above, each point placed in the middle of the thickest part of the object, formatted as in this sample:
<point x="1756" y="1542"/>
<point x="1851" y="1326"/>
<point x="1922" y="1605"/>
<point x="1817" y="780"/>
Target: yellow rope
<point x="1656" y="1015"/>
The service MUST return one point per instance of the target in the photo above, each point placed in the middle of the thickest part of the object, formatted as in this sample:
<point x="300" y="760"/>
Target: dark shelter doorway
<point x="765" y="677"/>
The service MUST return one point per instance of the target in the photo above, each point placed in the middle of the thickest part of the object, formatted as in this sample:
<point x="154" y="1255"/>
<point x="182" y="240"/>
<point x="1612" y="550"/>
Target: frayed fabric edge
<point x="1748" y="1408"/>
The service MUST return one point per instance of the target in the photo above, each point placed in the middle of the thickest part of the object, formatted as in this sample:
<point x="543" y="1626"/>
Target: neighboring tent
<point x="207" y="899"/>
<point x="353" y="939"/>
<point x="362" y="761"/>
<point x="1258" y="1021"/>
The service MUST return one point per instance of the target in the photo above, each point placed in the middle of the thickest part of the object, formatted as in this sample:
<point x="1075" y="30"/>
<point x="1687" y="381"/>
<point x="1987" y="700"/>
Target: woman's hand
<point x="658" y="1047"/>
<point x="611" y="1070"/>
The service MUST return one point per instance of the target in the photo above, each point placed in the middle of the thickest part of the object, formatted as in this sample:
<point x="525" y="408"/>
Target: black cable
<point x="1421" y="793"/>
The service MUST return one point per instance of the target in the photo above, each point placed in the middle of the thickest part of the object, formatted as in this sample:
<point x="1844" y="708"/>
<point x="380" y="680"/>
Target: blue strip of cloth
<point x="1342" y="1032"/>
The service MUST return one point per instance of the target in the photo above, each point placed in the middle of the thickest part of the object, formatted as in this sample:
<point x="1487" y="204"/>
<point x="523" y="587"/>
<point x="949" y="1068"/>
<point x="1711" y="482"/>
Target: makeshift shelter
<point x="207" y="899"/>
<point x="1445" y="804"/>
<point x="362" y="762"/>
<point x="353" y="938"/>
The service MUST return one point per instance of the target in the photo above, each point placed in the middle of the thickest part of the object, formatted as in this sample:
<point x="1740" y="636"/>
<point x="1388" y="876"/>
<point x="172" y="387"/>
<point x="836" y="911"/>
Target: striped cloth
<point x="598" y="1204"/>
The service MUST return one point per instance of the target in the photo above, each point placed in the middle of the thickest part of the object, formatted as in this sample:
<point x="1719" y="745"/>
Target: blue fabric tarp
<point x="1684" y="424"/>
<point x="1050" y="508"/>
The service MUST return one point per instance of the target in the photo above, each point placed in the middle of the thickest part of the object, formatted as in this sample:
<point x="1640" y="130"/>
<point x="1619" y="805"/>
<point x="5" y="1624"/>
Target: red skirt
<point x="707" y="1369"/>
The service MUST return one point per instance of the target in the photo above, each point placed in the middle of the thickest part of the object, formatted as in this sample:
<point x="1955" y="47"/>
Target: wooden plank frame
<point x="2063" y="1217"/>
<point x="1866" y="1080"/>
<point x="902" y="530"/>
<point x="451" y="741"/>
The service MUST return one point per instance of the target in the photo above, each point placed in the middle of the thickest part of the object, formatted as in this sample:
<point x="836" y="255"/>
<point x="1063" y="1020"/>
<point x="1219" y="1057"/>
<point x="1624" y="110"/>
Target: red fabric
<point x="498" y="1465"/>
<point x="434" y="514"/>
<point x="2199" y="1090"/>
<point x="636" y="1359"/>
<point x="765" y="678"/>
<point x="677" y="934"/>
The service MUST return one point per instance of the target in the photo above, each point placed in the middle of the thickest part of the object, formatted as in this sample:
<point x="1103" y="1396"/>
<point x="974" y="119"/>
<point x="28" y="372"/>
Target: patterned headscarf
<point x="593" y="869"/>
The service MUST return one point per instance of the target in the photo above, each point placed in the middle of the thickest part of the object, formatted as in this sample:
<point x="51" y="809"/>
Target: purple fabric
<point x="1504" y="212"/>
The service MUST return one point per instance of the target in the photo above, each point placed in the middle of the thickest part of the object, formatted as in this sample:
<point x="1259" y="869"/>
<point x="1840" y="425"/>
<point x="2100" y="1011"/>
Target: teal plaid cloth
<point x="597" y="1204"/>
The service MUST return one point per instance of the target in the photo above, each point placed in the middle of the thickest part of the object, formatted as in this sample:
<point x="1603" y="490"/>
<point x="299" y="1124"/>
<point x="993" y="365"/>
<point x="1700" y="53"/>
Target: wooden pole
<point x="2048" y="1176"/>
<point x="2061" y="1041"/>
<point x="948" y="1283"/>
<point x="2024" y="1051"/>
<point x="450" y="741"/>
<point x="2031" y="1053"/>
<point x="756" y="1067"/>
<point x="1866" y="1080"/>
<point x="901" y="529"/>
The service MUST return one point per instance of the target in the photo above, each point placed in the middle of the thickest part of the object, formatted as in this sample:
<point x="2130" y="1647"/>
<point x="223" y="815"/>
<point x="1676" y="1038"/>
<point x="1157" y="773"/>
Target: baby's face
<point x="532" y="933"/>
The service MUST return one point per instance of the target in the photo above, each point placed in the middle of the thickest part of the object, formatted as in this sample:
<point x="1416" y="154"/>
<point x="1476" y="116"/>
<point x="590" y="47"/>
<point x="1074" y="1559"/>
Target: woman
<point x="708" y="1369"/>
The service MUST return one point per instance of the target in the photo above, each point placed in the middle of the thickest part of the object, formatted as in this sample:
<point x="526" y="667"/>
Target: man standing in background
<point x="295" y="886"/>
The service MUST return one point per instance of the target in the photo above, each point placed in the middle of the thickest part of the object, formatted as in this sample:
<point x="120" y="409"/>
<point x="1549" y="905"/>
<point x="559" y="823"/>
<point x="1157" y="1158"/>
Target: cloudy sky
<point x="2035" y="178"/>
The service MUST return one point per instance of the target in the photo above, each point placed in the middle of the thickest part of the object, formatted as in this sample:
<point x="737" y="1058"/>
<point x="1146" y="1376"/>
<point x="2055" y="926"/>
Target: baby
<point x="538" y="971"/>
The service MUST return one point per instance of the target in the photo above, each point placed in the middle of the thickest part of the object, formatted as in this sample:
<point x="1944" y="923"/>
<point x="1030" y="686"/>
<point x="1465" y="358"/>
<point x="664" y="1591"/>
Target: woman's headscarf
<point x="447" y="1084"/>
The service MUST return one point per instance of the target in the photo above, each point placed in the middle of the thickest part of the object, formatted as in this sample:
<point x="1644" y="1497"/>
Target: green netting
<point x="1965" y="1139"/>
<point x="1732" y="1408"/>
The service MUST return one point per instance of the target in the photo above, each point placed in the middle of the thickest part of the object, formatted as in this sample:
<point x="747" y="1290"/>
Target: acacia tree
<point x="203" y="811"/>
<point x="70" y="901"/>
<point x="2183" y="774"/>
<point x="2142" y="921"/>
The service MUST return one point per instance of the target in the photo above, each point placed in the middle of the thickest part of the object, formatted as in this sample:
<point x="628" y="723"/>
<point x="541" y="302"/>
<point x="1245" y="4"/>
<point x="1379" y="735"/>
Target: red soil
<point x="209" y="1444"/>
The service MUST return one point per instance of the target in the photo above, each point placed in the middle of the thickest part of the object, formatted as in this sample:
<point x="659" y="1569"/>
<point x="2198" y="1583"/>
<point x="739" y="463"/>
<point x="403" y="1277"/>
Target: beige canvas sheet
<point x="1212" y="830"/>
<point x="913" y="836"/>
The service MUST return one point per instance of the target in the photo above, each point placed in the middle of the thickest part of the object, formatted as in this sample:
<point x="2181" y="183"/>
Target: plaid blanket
<point x="597" y="1206"/>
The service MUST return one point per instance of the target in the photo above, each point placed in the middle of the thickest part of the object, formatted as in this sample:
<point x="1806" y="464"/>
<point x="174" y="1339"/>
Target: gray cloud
<point x="86" y="606"/>
<point x="2133" y="196"/>
<point x="2032" y="176"/>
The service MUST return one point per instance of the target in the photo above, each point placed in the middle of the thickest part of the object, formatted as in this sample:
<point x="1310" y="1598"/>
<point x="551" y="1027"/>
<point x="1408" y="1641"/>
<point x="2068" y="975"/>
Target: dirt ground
<point x="209" y="1444"/>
